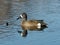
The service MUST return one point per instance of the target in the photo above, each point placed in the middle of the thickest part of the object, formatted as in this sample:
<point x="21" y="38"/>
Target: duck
<point x="32" y="25"/>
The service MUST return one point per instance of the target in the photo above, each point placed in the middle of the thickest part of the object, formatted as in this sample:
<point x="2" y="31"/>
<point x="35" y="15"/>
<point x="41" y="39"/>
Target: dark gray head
<point x="24" y="33"/>
<point x="23" y="16"/>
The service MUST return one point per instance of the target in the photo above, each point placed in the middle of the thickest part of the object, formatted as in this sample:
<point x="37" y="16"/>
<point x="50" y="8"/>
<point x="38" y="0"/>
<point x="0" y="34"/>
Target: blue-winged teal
<point x="33" y="25"/>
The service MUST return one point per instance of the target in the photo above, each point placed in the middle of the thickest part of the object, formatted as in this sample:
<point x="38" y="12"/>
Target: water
<point x="48" y="10"/>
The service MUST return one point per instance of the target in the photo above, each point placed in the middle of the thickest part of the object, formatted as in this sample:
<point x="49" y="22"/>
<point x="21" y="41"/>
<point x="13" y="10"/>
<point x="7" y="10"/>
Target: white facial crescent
<point x="21" y="16"/>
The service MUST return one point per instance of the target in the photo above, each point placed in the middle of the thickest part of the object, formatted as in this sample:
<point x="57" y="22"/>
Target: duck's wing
<point x="40" y="21"/>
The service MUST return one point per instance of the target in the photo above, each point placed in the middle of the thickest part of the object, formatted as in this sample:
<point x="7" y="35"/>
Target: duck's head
<point x="24" y="33"/>
<point x="22" y="16"/>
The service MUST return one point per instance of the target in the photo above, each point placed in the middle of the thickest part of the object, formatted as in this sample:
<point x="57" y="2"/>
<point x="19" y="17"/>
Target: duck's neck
<point x="25" y="19"/>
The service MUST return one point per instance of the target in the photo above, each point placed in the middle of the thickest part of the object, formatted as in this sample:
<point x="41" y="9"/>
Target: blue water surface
<point x="48" y="10"/>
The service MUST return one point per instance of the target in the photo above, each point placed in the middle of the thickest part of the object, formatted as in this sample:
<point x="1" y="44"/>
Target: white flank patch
<point x="21" y="16"/>
<point x="39" y="25"/>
